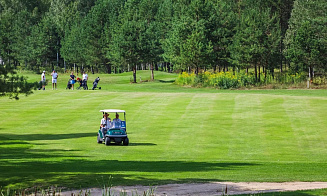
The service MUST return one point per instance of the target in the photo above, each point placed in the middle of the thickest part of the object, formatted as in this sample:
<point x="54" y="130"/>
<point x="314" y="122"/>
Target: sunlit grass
<point x="177" y="135"/>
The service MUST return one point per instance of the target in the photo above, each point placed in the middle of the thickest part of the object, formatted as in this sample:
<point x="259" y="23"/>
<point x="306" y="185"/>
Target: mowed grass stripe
<point x="244" y="128"/>
<point x="308" y="127"/>
<point x="177" y="132"/>
<point x="213" y="125"/>
<point x="276" y="129"/>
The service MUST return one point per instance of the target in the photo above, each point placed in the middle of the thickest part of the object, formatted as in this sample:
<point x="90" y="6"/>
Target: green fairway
<point x="177" y="135"/>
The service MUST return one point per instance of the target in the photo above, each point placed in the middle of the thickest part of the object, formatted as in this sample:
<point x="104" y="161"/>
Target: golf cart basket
<point x="82" y="84"/>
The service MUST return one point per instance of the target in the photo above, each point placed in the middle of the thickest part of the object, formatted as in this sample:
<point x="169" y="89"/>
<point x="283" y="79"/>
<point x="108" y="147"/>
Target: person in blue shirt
<point x="72" y="80"/>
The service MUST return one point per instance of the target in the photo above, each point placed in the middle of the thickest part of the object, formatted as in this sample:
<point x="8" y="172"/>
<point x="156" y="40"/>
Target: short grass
<point x="320" y="192"/>
<point x="177" y="135"/>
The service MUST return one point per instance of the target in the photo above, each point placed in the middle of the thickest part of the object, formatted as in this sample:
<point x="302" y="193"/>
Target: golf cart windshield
<point x="116" y="123"/>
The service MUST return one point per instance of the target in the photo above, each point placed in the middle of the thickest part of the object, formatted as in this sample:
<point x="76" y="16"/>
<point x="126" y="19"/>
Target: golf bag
<point x="95" y="83"/>
<point x="69" y="84"/>
<point x="40" y="85"/>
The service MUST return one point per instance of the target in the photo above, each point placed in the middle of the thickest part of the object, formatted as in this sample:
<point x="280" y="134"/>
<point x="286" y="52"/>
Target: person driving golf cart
<point x="105" y="123"/>
<point x="116" y="122"/>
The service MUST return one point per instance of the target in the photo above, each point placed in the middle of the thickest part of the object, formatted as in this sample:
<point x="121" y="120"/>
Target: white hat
<point x="43" y="71"/>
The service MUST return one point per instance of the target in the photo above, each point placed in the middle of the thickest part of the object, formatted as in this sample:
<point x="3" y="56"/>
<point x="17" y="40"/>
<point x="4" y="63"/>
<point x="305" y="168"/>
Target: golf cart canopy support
<point x="112" y="111"/>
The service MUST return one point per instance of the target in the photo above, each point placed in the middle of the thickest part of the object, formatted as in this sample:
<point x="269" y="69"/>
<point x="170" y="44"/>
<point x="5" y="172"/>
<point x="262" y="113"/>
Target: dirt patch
<point x="216" y="188"/>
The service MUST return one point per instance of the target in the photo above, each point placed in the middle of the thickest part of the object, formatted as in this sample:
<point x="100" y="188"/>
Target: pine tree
<point x="306" y="42"/>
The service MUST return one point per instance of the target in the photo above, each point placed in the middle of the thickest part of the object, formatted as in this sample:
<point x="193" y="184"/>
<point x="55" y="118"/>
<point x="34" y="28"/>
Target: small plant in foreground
<point x="50" y="191"/>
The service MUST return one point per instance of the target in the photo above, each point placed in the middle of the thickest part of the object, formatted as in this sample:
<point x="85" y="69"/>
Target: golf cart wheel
<point x="126" y="142"/>
<point x="98" y="139"/>
<point x="107" y="141"/>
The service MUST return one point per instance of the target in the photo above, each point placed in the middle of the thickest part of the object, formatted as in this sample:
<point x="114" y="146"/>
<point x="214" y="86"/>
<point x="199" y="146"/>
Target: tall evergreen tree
<point x="187" y="44"/>
<point x="130" y="37"/>
<point x="306" y="38"/>
<point x="72" y="44"/>
<point x="221" y="29"/>
<point x="256" y="39"/>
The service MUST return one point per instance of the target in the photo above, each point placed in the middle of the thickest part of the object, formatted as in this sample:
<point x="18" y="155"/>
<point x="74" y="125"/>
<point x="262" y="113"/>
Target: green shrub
<point x="319" y="80"/>
<point x="229" y="80"/>
<point x="222" y="80"/>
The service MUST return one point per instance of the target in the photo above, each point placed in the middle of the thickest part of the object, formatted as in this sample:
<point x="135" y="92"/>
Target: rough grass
<point x="177" y="135"/>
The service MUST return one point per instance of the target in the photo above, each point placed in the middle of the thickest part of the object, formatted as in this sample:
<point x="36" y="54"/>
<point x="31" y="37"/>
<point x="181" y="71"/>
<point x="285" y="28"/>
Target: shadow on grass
<point x="16" y="147"/>
<point x="23" y="166"/>
<point x="167" y="81"/>
<point x="21" y="150"/>
<point x="35" y="137"/>
<point x="85" y="173"/>
<point x="141" y="144"/>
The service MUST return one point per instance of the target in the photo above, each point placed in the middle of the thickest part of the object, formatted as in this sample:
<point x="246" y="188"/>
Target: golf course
<point x="177" y="134"/>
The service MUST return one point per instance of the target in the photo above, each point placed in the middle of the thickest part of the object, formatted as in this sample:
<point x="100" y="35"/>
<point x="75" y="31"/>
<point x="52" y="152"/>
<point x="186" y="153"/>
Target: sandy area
<point x="207" y="189"/>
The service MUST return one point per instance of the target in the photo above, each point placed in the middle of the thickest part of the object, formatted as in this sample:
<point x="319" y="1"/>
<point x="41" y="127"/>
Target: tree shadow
<point x="22" y="165"/>
<point x="141" y="144"/>
<point x="35" y="137"/>
<point x="21" y="150"/>
<point x="85" y="173"/>
<point x="167" y="81"/>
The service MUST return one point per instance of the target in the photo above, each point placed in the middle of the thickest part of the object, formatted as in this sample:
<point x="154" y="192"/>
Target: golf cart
<point x="116" y="131"/>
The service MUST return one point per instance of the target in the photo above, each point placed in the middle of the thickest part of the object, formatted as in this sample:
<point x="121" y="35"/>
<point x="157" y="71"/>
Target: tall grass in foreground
<point x="230" y="80"/>
<point x="106" y="191"/>
<point x="54" y="191"/>
<point x="31" y="191"/>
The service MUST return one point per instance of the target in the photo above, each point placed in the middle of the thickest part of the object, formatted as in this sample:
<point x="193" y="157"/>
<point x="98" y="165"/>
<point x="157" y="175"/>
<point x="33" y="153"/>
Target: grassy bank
<point x="177" y="135"/>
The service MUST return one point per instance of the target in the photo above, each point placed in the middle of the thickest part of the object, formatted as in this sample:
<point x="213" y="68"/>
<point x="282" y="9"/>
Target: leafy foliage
<point x="187" y="35"/>
<point x="306" y="42"/>
<point x="229" y="80"/>
<point x="12" y="85"/>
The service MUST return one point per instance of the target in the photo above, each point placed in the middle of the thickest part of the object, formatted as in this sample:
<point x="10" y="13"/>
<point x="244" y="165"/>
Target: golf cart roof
<point x="112" y="111"/>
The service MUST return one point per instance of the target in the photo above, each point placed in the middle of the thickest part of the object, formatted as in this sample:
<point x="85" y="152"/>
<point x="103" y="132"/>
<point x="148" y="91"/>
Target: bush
<point x="185" y="79"/>
<point x="319" y="80"/>
<point x="229" y="80"/>
<point x="222" y="80"/>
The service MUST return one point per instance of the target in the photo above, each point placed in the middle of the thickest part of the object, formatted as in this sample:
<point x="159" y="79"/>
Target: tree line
<point x="188" y="35"/>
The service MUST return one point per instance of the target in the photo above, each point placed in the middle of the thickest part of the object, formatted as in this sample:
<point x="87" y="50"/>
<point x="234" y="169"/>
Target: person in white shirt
<point x="43" y="80"/>
<point x="54" y="75"/>
<point x="105" y="123"/>
<point x="116" y="122"/>
<point x="85" y="78"/>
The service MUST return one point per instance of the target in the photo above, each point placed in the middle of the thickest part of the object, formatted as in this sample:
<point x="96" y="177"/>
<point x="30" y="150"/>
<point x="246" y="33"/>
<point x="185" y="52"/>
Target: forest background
<point x="264" y="37"/>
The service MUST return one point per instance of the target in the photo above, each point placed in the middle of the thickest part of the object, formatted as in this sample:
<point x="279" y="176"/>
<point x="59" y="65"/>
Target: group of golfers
<point x="54" y="75"/>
